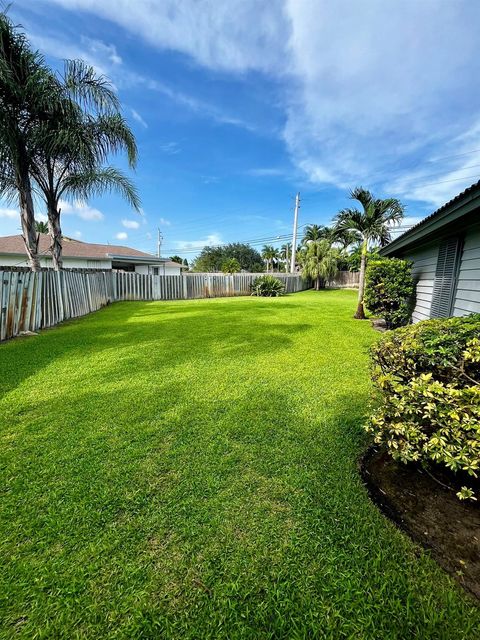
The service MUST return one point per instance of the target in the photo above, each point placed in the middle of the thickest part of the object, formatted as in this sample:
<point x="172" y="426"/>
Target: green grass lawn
<point x="189" y="470"/>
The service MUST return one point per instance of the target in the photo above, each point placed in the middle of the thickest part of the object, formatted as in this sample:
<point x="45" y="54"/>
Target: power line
<point x="252" y="242"/>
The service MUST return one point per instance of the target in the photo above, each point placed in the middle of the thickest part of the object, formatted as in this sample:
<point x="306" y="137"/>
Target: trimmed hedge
<point x="428" y="381"/>
<point x="390" y="290"/>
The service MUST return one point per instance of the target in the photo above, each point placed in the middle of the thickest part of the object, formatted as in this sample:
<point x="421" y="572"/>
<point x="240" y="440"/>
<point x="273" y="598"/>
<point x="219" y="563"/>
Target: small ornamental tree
<point x="390" y="290"/>
<point x="232" y="265"/>
<point x="427" y="377"/>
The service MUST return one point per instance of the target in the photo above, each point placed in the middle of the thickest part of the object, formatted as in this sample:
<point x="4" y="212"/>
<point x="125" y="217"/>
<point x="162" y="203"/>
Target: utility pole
<point x="159" y="241"/>
<point x="294" y="239"/>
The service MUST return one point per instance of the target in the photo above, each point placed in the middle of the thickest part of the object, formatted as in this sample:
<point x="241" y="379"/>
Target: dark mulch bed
<point x="429" y="513"/>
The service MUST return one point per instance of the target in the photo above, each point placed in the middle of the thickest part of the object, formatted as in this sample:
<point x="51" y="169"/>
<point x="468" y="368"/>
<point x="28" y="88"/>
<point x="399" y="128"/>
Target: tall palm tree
<point x="372" y="224"/>
<point x="29" y="97"/>
<point x="72" y="167"/>
<point x="285" y="254"/>
<point x="269" y="254"/>
<point x="320" y="262"/>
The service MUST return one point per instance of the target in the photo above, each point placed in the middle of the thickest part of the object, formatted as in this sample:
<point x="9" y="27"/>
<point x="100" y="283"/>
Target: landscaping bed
<point x="429" y="512"/>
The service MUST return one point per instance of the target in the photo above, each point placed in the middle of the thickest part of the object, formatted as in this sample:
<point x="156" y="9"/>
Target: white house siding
<point x="9" y="260"/>
<point x="467" y="297"/>
<point x="163" y="270"/>
<point x="425" y="263"/>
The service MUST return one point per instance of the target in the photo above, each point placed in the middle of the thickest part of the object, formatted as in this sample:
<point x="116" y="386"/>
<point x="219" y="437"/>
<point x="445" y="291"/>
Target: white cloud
<point x="138" y="118"/>
<point x="121" y="235"/>
<point x="81" y="209"/>
<point x="101" y="56"/>
<point x="164" y="222"/>
<point x="170" y="148"/>
<point x="9" y="213"/>
<point x="130" y="224"/>
<point x="211" y="240"/>
<point x="77" y="234"/>
<point x="266" y="172"/>
<point x="457" y="171"/>
<point x="370" y="78"/>
<point x="238" y="35"/>
<point x="370" y="88"/>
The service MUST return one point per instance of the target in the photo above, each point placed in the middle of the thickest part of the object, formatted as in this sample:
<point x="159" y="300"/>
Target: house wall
<point x="467" y="297"/>
<point x="424" y="264"/>
<point x="467" y="294"/>
<point x="163" y="270"/>
<point x="9" y="260"/>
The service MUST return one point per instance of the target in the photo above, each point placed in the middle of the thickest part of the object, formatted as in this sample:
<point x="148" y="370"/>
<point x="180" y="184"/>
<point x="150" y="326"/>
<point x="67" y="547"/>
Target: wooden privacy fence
<point x="31" y="301"/>
<point x="345" y="280"/>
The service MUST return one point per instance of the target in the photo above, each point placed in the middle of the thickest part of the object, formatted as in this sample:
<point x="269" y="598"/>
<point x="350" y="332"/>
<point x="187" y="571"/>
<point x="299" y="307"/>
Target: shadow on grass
<point x="176" y="332"/>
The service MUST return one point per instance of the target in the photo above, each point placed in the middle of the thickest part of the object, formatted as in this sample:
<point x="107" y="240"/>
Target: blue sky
<point x="237" y="105"/>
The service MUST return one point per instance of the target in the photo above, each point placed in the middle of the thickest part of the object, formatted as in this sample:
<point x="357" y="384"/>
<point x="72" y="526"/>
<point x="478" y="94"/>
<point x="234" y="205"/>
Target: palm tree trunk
<point x="27" y="217"/>
<point x="360" y="313"/>
<point x="317" y="283"/>
<point x="55" y="231"/>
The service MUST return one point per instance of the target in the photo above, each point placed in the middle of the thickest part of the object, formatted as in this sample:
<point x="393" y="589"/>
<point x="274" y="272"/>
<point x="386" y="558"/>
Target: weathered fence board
<point x="32" y="301"/>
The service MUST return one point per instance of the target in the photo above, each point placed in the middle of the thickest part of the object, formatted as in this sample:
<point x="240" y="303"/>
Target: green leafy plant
<point x="267" y="286"/>
<point x="428" y="380"/>
<point x="321" y="262"/>
<point x="232" y="265"/>
<point x="390" y="290"/>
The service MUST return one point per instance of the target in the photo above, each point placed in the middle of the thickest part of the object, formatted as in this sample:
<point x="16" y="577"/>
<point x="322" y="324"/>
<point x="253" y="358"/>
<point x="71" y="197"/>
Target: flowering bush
<point x="428" y="379"/>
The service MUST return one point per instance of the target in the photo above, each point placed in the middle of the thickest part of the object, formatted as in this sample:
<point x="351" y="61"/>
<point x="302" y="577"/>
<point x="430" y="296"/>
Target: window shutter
<point x="445" y="277"/>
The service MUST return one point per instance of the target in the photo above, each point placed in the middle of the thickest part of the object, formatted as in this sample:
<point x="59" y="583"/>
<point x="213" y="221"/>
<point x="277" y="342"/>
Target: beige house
<point x="86" y="255"/>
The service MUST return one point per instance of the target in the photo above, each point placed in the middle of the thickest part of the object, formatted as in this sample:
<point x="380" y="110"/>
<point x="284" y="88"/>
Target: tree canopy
<point x="212" y="258"/>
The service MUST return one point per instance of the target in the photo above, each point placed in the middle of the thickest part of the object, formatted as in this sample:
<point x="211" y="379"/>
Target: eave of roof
<point x="452" y="210"/>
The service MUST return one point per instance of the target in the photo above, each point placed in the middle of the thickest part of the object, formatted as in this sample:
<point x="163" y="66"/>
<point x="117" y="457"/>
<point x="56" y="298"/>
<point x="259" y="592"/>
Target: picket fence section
<point x="31" y="301"/>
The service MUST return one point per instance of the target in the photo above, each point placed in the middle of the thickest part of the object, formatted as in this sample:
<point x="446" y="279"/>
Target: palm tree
<point x="320" y="262"/>
<point x="73" y="166"/>
<point x="285" y="254"/>
<point x="312" y="232"/>
<point x="270" y="255"/>
<point x="29" y="97"/>
<point x="371" y="224"/>
<point x="41" y="227"/>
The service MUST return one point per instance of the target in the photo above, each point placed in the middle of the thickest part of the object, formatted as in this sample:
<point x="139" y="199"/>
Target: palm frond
<point x="89" y="88"/>
<point x="98" y="181"/>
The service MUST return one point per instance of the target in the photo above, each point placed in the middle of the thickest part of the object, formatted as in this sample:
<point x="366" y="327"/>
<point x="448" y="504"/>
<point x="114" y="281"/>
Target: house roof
<point x="76" y="249"/>
<point x="456" y="208"/>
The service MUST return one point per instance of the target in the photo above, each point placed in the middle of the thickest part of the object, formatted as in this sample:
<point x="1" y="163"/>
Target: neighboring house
<point x="86" y="255"/>
<point x="445" y="250"/>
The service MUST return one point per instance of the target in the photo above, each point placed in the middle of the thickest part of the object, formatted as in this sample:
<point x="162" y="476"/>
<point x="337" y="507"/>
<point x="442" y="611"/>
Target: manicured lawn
<point x="189" y="470"/>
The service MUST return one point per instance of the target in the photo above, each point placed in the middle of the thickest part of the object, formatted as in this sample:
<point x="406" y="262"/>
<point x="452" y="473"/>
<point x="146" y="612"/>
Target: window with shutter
<point x="445" y="277"/>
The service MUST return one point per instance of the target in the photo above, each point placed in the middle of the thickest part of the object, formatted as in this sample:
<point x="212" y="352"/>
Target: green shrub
<point x="390" y="290"/>
<point x="428" y="379"/>
<point x="232" y="265"/>
<point x="267" y="286"/>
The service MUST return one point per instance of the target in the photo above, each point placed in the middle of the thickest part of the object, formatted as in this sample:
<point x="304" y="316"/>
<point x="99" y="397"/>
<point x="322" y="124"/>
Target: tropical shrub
<point x="231" y="265"/>
<point x="267" y="286"/>
<point x="390" y="290"/>
<point x="320" y="262"/>
<point x="428" y="381"/>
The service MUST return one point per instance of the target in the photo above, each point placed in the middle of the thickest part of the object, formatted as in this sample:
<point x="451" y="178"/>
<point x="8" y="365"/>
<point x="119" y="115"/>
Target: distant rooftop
<point x="76" y="249"/>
